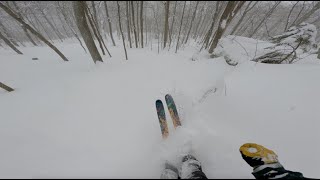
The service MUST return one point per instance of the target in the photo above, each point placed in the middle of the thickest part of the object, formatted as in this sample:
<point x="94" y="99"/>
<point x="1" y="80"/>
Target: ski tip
<point x="159" y="102"/>
<point x="168" y="96"/>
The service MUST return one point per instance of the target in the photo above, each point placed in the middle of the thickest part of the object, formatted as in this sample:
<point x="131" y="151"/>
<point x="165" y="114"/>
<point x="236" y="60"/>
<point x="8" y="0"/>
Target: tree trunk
<point x="124" y="44"/>
<point x="6" y="33"/>
<point x="90" y="20"/>
<point x="229" y="13"/>
<point x="214" y="18"/>
<point x="128" y="23"/>
<point x="184" y="6"/>
<point x="70" y="27"/>
<point x="191" y="23"/>
<point x="7" y="41"/>
<point x="265" y="17"/>
<point x="41" y="25"/>
<point x="96" y="20"/>
<point x="141" y="22"/>
<point x="248" y="8"/>
<point x="308" y="14"/>
<point x="23" y="27"/>
<point x="9" y="11"/>
<point x="195" y="32"/>
<point x="134" y="26"/>
<point x="5" y="87"/>
<point x="288" y="17"/>
<point x="79" y="8"/>
<point x="298" y="15"/>
<point x="52" y="26"/>
<point x="109" y="21"/>
<point x="166" y="23"/>
<point x="172" y="23"/>
<point x="96" y="31"/>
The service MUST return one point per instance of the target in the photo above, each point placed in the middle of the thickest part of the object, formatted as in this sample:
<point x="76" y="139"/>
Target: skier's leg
<point x="191" y="168"/>
<point x="170" y="172"/>
<point x="265" y="163"/>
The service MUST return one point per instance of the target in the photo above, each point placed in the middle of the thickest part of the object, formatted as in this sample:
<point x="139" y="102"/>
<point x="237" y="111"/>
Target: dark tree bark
<point x="134" y="26"/>
<point x="214" y="19"/>
<point x="5" y="87"/>
<point x="95" y="16"/>
<point x="141" y="22"/>
<point x="166" y="23"/>
<point x="79" y="8"/>
<point x="229" y="13"/>
<point x="96" y="31"/>
<point x="70" y="26"/>
<point x="124" y="44"/>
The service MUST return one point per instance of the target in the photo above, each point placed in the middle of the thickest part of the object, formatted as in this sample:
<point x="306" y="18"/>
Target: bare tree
<point x="214" y="19"/>
<point x="133" y="23"/>
<point x="79" y="8"/>
<point x="191" y="23"/>
<point x="124" y="44"/>
<point x="166" y="23"/>
<point x="288" y="17"/>
<point x="184" y="6"/>
<point x="23" y="27"/>
<point x="6" y="33"/>
<point x="298" y="15"/>
<point x="248" y="8"/>
<point x="141" y="22"/>
<point x="5" y="87"/>
<point x="172" y="23"/>
<point x="95" y="16"/>
<point x="69" y="23"/>
<point x="230" y="11"/>
<point x="17" y="18"/>
<point x="128" y="23"/>
<point x="268" y="14"/>
<point x="308" y="14"/>
<point x="7" y="41"/>
<point x="109" y="21"/>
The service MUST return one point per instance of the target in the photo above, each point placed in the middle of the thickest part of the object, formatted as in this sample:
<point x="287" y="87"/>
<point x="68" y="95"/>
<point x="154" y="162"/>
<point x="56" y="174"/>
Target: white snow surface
<point x="79" y="120"/>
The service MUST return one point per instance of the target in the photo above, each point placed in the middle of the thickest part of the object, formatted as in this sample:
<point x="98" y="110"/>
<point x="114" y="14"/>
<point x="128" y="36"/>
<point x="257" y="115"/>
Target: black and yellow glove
<point x="256" y="155"/>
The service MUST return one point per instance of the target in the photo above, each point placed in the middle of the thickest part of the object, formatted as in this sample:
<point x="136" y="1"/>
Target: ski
<point x="162" y="119"/>
<point x="173" y="111"/>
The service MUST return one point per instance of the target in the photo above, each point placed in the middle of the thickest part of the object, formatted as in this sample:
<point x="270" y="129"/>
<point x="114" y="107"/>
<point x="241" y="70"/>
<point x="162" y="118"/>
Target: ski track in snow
<point x="76" y="119"/>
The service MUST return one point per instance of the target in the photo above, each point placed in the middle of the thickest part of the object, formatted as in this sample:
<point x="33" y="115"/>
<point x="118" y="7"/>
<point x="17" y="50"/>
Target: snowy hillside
<point x="79" y="120"/>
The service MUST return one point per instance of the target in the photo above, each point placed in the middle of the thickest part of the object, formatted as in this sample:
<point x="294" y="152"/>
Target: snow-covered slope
<point x="77" y="119"/>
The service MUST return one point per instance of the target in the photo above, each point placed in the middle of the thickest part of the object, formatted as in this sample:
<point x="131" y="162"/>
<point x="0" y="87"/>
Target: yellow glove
<point x="255" y="154"/>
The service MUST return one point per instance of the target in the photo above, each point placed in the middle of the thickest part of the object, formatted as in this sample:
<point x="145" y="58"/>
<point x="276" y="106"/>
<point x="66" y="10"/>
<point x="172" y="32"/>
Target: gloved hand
<point x="256" y="155"/>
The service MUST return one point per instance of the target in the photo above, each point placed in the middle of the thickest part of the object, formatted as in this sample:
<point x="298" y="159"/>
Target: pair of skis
<point x="162" y="116"/>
